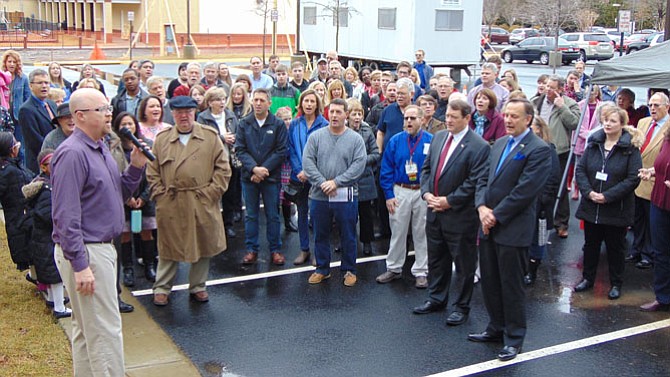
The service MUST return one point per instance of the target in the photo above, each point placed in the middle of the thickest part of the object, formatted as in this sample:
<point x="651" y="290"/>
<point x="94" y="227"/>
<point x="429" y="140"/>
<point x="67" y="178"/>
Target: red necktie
<point x="51" y="114"/>
<point x="650" y="133"/>
<point x="440" y="163"/>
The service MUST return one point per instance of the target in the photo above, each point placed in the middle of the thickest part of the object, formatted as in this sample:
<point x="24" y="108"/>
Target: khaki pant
<point x="411" y="211"/>
<point x="97" y="340"/>
<point x="167" y="269"/>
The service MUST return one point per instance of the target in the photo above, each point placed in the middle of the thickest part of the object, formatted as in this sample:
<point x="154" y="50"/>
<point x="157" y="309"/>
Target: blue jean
<point x="252" y="193"/>
<point x="659" y="221"/>
<point x="346" y="215"/>
<point x="303" y="225"/>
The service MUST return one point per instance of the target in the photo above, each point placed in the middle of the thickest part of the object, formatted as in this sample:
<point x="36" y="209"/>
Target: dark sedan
<point x="497" y="35"/>
<point x="641" y="45"/>
<point x="538" y="48"/>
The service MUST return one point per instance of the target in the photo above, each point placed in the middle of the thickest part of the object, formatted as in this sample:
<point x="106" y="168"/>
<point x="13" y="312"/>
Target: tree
<point x="263" y="10"/>
<point x="651" y="13"/>
<point x="339" y="11"/>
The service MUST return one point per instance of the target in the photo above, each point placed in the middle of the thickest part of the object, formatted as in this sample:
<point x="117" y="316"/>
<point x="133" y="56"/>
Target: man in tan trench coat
<point x="190" y="174"/>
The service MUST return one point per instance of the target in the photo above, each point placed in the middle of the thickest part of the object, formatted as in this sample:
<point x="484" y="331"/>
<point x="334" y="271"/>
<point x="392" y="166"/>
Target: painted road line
<point x="264" y="275"/>
<point x="554" y="350"/>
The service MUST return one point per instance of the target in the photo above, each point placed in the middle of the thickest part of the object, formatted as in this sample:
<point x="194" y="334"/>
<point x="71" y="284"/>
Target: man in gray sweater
<point x="334" y="160"/>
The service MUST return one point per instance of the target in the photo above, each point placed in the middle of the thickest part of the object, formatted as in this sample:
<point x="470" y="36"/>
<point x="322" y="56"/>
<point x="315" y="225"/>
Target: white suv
<point x="592" y="46"/>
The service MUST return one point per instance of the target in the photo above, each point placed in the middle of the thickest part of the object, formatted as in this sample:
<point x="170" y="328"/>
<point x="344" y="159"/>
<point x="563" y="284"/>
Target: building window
<point x="309" y="15"/>
<point x="451" y="3"/>
<point x="343" y="18"/>
<point x="386" y="18"/>
<point x="448" y="19"/>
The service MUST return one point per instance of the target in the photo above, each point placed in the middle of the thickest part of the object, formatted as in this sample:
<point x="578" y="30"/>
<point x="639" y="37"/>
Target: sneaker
<point x="317" y="278"/>
<point x="388" y="277"/>
<point x="421" y="282"/>
<point x="64" y="314"/>
<point x="349" y="279"/>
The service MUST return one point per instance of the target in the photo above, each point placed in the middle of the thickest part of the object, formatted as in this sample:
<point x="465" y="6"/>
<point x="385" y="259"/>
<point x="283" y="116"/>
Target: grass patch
<point x="32" y="342"/>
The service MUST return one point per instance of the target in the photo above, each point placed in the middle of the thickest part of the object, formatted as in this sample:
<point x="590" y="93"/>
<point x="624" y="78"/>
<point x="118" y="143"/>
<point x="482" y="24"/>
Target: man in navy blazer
<point x="456" y="161"/>
<point x="518" y="169"/>
<point x="34" y="117"/>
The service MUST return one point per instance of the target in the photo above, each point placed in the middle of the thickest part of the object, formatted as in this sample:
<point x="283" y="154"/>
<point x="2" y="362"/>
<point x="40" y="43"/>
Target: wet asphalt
<point x="283" y="326"/>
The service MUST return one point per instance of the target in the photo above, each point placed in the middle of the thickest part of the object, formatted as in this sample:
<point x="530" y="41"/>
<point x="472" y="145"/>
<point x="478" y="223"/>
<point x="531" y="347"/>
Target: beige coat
<point x="187" y="183"/>
<point x="650" y="153"/>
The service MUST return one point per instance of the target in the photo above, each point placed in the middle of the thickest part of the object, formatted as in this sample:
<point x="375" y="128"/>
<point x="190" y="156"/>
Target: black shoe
<point x="583" y="285"/>
<point x="30" y="279"/>
<point x="456" y="318"/>
<point x="631" y="258"/>
<point x="128" y="276"/>
<point x="289" y="226"/>
<point x="485" y="337"/>
<point x="508" y="353"/>
<point x="533" y="264"/>
<point x="644" y="264"/>
<point x="230" y="232"/>
<point x="367" y="248"/>
<point x="615" y="293"/>
<point x="125" y="307"/>
<point x="150" y="272"/>
<point x="428" y="307"/>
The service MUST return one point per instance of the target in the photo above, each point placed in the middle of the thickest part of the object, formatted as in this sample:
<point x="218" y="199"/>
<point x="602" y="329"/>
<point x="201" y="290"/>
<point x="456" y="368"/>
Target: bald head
<point x="84" y="106"/>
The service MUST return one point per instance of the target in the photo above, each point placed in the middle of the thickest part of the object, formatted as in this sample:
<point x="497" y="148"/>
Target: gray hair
<point x="560" y="80"/>
<point x="664" y="98"/>
<point x="37" y="72"/>
<point x="491" y="67"/>
<point x="193" y="65"/>
<point x="211" y="65"/>
<point x="405" y="83"/>
<point x="154" y="79"/>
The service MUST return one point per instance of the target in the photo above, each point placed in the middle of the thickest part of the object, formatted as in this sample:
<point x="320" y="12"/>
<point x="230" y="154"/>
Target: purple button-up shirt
<point x="88" y="195"/>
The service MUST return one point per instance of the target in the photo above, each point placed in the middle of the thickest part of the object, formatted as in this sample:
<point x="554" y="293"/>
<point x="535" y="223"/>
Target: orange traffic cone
<point x="97" y="53"/>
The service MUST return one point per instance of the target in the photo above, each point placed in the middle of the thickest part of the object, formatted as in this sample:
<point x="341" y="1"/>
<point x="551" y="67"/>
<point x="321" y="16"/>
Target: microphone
<point x="145" y="150"/>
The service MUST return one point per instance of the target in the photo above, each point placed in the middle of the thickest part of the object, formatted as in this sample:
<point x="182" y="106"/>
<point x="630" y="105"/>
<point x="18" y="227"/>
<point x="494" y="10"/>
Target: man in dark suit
<point x="518" y="168"/>
<point x="35" y="117"/>
<point x="456" y="161"/>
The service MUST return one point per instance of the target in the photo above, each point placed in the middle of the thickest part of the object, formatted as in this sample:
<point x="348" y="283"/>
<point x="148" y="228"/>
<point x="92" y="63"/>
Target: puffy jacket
<point x="621" y="166"/>
<point x="367" y="189"/>
<point x="38" y="208"/>
<point x="12" y="178"/>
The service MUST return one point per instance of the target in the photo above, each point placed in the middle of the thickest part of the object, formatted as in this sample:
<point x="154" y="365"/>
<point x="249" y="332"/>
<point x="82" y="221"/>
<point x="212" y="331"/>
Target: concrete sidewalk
<point x="148" y="350"/>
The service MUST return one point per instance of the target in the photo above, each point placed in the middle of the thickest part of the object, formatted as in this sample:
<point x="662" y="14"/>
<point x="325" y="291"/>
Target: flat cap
<point x="183" y="102"/>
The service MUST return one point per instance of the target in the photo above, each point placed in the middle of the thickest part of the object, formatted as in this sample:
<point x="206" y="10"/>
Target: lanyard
<point x="409" y="144"/>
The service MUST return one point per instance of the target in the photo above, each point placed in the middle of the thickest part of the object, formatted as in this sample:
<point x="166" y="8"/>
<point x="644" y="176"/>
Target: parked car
<point x="592" y="46"/>
<point x="615" y="36"/>
<point x="497" y="35"/>
<point x="538" y="48"/>
<point x="637" y="37"/>
<point x="518" y="35"/>
<point x="648" y="41"/>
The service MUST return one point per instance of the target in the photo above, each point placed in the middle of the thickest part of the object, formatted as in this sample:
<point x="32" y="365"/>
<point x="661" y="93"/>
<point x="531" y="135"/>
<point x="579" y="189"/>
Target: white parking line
<point x="264" y="275"/>
<point x="553" y="350"/>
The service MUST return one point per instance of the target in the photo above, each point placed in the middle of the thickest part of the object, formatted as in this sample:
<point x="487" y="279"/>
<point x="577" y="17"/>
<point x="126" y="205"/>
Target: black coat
<point x="367" y="189"/>
<point x="266" y="146"/>
<point x="621" y="166"/>
<point x="545" y="202"/>
<point x="38" y="208"/>
<point x="12" y="178"/>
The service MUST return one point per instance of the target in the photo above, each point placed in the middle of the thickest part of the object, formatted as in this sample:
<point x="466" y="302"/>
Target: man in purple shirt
<point x="87" y="211"/>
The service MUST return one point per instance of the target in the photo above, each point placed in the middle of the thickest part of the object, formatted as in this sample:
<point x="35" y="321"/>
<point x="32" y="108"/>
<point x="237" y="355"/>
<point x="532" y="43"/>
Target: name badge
<point x="426" y="146"/>
<point x="270" y="132"/>
<point x="411" y="170"/>
<point x="601" y="176"/>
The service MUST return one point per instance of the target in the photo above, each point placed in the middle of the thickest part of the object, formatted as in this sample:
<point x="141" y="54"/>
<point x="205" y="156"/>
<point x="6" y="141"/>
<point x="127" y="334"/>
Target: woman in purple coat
<point x="486" y="121"/>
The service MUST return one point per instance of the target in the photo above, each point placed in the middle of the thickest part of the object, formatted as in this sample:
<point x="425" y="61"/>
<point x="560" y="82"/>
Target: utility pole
<point x="189" y="49"/>
<point x="667" y="21"/>
<point x="274" y="17"/>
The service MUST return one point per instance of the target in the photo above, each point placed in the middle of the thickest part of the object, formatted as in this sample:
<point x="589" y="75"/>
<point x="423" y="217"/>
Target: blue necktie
<point x="508" y="149"/>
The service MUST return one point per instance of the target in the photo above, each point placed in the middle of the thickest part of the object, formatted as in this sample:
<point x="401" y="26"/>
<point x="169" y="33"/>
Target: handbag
<point x="234" y="160"/>
<point x="294" y="191"/>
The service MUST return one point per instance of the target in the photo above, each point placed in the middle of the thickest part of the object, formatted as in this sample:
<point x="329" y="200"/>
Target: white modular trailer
<point x="389" y="31"/>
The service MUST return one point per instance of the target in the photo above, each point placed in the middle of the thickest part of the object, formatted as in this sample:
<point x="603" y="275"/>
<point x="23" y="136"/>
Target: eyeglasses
<point x="410" y="118"/>
<point x="101" y="109"/>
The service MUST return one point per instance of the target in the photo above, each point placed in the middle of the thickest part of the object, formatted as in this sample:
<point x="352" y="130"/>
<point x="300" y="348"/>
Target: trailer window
<point x="309" y="16"/>
<point x="448" y="19"/>
<point x="386" y="18"/>
<point x="343" y="17"/>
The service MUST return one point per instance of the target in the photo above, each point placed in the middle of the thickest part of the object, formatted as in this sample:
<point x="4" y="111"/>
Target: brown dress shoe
<point x="160" y="299"/>
<point x="201" y="296"/>
<point x="250" y="258"/>
<point x="278" y="259"/>
<point x="302" y="258"/>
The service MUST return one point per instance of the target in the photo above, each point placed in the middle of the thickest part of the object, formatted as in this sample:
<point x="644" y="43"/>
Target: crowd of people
<point x="467" y="178"/>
